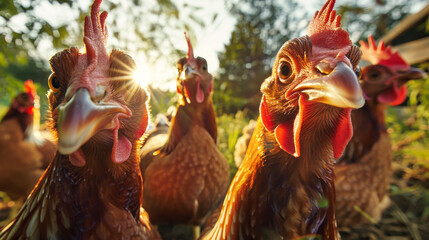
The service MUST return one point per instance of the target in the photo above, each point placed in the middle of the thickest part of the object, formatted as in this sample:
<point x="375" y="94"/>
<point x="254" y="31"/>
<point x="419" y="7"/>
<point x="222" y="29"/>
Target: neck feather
<point x="69" y="200"/>
<point x="187" y="116"/>
<point x="281" y="194"/>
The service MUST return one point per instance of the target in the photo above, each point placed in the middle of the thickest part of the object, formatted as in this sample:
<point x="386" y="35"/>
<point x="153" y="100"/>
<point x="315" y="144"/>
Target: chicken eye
<point x="358" y="72"/>
<point x="25" y="97"/>
<point x="54" y="83"/>
<point x="205" y="67"/>
<point x="285" y="71"/>
<point x="374" y="74"/>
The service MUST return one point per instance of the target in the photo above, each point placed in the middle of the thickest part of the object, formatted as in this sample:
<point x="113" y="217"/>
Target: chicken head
<point x="194" y="82"/>
<point x="93" y="97"/>
<point x="384" y="80"/>
<point x="320" y="68"/>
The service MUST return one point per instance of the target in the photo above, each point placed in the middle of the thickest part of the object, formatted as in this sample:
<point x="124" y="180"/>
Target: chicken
<point x="44" y="140"/>
<point x="363" y="172"/>
<point x="243" y="142"/>
<point x="184" y="175"/>
<point x="92" y="188"/>
<point x="25" y="153"/>
<point x="284" y="188"/>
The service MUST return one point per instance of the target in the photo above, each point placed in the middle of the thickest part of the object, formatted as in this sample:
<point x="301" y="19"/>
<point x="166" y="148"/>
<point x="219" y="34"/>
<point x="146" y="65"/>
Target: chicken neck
<point x="81" y="195"/>
<point x="283" y="195"/>
<point x="189" y="115"/>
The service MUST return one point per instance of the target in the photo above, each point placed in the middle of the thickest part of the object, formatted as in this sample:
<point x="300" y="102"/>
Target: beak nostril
<point x="100" y="93"/>
<point x="189" y="69"/>
<point x="324" y="68"/>
<point x="188" y="72"/>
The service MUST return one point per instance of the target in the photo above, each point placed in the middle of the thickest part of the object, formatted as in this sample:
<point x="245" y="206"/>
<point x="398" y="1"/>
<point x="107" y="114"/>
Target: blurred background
<point x="239" y="39"/>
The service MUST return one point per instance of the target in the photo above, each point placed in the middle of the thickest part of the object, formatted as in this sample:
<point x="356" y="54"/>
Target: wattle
<point x="288" y="133"/>
<point x="393" y="96"/>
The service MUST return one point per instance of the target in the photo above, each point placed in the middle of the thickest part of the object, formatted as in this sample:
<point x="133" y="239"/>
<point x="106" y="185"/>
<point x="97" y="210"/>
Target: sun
<point x="142" y="74"/>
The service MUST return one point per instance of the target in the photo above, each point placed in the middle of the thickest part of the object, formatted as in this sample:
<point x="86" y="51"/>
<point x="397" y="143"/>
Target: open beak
<point x="80" y="119"/>
<point x="340" y="88"/>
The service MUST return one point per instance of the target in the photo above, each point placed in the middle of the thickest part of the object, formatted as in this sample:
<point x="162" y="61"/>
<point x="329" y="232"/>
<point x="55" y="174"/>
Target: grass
<point x="229" y="130"/>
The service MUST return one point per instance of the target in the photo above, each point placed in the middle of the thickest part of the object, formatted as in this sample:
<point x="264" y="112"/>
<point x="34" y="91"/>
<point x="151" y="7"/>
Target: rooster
<point x="92" y="188"/>
<point x="184" y="174"/>
<point x="363" y="172"/>
<point x="25" y="152"/>
<point x="284" y="188"/>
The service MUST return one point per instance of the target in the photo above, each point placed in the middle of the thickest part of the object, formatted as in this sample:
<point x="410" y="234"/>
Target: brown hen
<point x="184" y="174"/>
<point x="284" y="188"/>
<point x="92" y="189"/>
<point x="363" y="172"/>
<point x="25" y="151"/>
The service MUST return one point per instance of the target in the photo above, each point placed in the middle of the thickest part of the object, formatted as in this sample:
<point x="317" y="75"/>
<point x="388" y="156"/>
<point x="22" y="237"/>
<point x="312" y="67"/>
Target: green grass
<point x="3" y="110"/>
<point x="229" y="130"/>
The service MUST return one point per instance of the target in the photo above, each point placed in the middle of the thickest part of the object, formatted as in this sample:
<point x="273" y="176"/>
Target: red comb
<point x="324" y="19"/>
<point x="190" y="55"/>
<point x="95" y="35"/>
<point x="380" y="54"/>
<point x="324" y="29"/>
<point x="30" y="88"/>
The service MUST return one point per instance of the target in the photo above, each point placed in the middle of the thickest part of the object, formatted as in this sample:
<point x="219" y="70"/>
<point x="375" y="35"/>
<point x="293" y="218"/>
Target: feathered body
<point x="92" y="189"/>
<point x="25" y="152"/>
<point x="363" y="172"/>
<point x="21" y="163"/>
<point x="185" y="175"/>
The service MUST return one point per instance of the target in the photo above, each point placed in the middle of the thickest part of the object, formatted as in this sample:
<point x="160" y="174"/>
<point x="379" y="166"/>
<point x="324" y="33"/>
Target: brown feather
<point x="101" y="198"/>
<point x="363" y="172"/>
<point x="284" y="192"/>
<point x="185" y="175"/>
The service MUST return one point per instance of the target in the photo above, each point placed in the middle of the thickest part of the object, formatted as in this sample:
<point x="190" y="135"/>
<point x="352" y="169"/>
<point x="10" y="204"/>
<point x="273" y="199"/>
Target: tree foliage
<point x="157" y="24"/>
<point x="376" y="17"/>
<point x="261" y="29"/>
<point x="17" y="41"/>
<point x="139" y="26"/>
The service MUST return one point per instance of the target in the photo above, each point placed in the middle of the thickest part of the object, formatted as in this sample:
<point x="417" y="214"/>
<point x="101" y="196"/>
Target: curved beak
<point x="340" y="88"/>
<point x="412" y="73"/>
<point x="80" y="119"/>
<point x="188" y="73"/>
